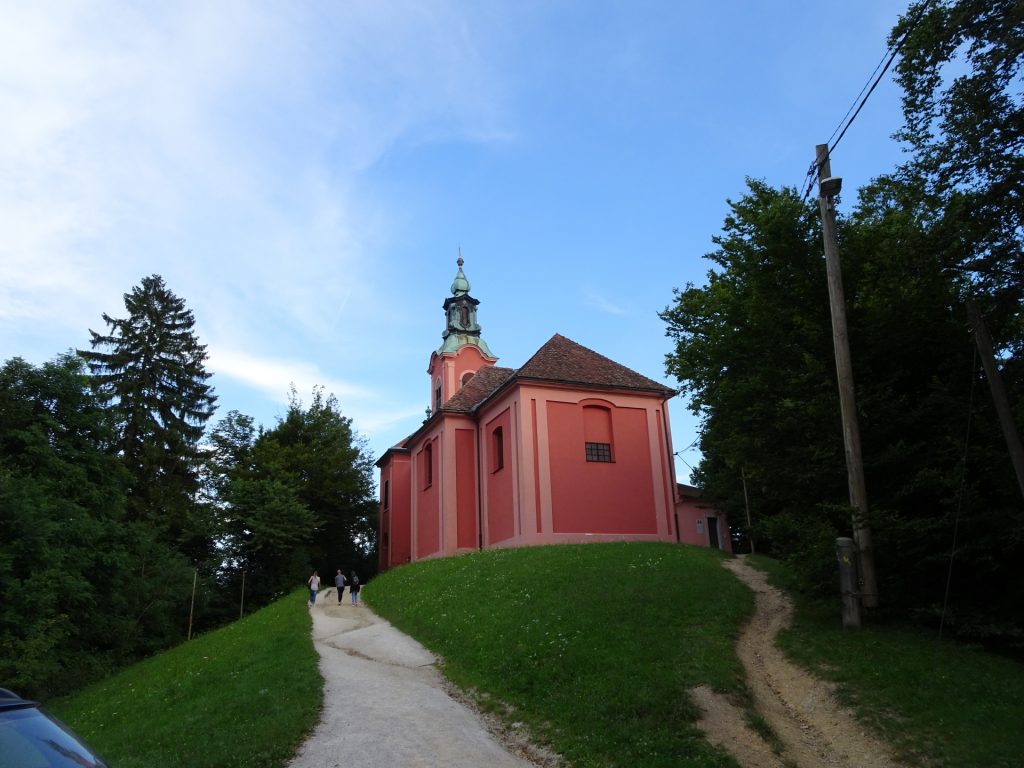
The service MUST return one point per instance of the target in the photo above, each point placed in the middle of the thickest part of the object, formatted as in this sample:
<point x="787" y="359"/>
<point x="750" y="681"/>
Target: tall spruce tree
<point x="149" y="368"/>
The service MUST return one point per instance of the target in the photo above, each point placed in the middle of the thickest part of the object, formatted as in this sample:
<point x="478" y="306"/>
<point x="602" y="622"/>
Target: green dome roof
<point x="460" y="286"/>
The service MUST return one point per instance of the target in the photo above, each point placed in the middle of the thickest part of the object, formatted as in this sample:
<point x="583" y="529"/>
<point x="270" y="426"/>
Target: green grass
<point x="245" y="695"/>
<point x="593" y="647"/>
<point x="941" y="703"/>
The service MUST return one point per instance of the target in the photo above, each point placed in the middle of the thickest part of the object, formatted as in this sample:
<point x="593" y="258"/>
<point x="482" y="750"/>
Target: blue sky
<point x="304" y="174"/>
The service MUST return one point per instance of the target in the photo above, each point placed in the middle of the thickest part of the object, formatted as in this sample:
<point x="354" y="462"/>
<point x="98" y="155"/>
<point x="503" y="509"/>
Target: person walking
<point x="339" y="582"/>
<point x="314" y="587"/>
<point x="353" y="587"/>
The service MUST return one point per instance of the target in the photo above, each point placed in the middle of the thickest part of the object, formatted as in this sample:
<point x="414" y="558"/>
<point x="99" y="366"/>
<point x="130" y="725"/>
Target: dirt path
<point x="801" y="710"/>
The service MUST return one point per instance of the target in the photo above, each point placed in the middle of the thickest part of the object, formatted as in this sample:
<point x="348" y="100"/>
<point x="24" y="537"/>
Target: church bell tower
<point x="463" y="351"/>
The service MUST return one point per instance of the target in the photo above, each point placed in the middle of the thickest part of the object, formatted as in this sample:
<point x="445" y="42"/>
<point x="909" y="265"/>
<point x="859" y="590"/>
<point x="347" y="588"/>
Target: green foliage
<point x="753" y="348"/>
<point x="963" y="104"/>
<point x="334" y="467"/>
<point x="245" y="695"/>
<point x="296" y="497"/>
<point x="107" y="503"/>
<point x="70" y="564"/>
<point x="152" y="375"/>
<point x="593" y="646"/>
<point x="807" y="544"/>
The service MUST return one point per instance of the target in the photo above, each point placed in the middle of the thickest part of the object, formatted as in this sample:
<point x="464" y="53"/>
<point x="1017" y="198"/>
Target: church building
<point x="570" y="447"/>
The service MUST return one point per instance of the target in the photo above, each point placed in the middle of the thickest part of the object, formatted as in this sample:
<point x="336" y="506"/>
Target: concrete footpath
<point x="384" y="700"/>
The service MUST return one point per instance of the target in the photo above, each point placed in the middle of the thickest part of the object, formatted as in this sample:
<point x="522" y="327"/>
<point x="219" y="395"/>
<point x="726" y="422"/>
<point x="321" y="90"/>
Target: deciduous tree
<point x="81" y="588"/>
<point x="962" y="74"/>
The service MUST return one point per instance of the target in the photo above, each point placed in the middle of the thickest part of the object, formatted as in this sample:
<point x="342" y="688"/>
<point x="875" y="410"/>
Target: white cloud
<point x="275" y="376"/>
<point x="594" y="299"/>
<point x="219" y="144"/>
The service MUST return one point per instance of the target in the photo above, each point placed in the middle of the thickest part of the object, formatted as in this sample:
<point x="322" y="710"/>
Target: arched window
<point x="497" y="449"/>
<point x="428" y="465"/>
<point x="597" y="433"/>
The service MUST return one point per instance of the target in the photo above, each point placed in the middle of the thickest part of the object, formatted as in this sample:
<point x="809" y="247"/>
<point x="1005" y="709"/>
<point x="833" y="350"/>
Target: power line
<point x="691" y="445"/>
<point x="873" y="80"/>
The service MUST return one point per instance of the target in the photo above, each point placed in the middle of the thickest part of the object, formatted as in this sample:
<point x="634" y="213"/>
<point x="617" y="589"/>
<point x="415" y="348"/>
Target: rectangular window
<point x="497" y="449"/>
<point x="428" y="465"/>
<point x="386" y="494"/>
<point x="599" y="451"/>
<point x="437" y="398"/>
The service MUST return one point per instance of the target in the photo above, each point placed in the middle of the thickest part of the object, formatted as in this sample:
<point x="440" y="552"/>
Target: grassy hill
<point x="592" y="648"/>
<point x="245" y="695"/>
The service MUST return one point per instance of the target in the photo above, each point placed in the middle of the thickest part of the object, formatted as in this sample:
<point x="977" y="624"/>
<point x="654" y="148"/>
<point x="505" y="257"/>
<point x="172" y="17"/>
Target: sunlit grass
<point x="245" y="695"/>
<point x="593" y="647"/>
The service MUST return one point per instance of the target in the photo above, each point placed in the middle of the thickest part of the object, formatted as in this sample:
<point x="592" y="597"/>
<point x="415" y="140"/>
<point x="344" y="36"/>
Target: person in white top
<point x="314" y="587"/>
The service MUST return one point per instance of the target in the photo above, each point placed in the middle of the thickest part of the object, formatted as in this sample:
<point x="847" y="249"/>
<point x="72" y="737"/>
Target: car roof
<point x="11" y="700"/>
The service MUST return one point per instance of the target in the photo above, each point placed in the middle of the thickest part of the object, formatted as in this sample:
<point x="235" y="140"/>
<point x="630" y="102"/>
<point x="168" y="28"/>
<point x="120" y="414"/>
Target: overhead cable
<point x="862" y="98"/>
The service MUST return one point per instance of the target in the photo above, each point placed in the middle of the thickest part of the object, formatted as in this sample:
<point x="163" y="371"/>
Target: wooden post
<point x="846" y="554"/>
<point x="195" y="576"/>
<point x="847" y="401"/>
<point x="998" y="390"/>
<point x="241" y="607"/>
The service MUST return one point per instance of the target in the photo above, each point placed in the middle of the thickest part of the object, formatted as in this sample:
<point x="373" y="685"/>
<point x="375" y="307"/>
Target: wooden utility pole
<point x="192" y="607"/>
<point x="998" y="390"/>
<point x="828" y="188"/>
<point x="746" y="503"/>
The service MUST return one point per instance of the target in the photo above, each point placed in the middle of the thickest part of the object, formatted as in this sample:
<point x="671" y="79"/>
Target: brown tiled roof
<point x="561" y="361"/>
<point x="565" y="361"/>
<point x="483" y="384"/>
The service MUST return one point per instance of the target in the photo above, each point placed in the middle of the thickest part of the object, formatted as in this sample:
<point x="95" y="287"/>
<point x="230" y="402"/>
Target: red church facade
<point x="571" y="447"/>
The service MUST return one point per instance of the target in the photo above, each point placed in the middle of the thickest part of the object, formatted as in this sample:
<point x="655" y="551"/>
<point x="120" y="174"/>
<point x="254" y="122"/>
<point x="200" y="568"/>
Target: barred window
<point x="599" y="451"/>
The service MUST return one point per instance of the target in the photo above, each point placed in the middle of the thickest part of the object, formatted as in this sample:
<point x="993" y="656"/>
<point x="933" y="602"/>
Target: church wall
<point x="614" y="496"/>
<point x="426" y="478"/>
<point x="499" y="471"/>
<point x="667" y="477"/>
<point x="564" y="498"/>
<point x="395" y="512"/>
<point x="466" y="489"/>
<point x="468" y="360"/>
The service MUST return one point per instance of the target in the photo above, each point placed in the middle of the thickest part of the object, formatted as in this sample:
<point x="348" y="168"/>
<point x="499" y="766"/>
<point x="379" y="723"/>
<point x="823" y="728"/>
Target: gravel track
<point x="387" y="706"/>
